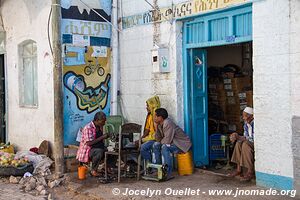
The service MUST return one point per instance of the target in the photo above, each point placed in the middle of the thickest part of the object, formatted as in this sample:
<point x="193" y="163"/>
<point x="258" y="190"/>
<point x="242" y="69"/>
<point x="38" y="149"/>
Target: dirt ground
<point x="92" y="188"/>
<point x="202" y="180"/>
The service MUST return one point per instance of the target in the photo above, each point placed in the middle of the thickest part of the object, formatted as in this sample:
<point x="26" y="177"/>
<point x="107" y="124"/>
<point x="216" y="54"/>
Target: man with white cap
<point x="243" y="153"/>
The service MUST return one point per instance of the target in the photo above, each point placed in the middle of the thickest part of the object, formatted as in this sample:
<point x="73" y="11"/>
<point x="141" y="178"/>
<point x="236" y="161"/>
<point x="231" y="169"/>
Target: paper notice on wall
<point x="99" y="51"/>
<point x="81" y="40"/>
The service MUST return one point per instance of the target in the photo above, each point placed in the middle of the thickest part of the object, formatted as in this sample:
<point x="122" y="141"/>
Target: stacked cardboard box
<point x="232" y="95"/>
<point x="71" y="164"/>
<point x="249" y="97"/>
<point x="236" y="101"/>
<point x="216" y="93"/>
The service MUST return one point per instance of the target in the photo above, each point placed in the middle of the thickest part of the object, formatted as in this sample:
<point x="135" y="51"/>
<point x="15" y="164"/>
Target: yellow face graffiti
<point x="89" y="82"/>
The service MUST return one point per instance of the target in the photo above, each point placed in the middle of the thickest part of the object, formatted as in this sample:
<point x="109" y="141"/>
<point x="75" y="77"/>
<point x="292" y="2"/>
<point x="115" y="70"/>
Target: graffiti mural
<point x="88" y="98"/>
<point x="86" y="63"/>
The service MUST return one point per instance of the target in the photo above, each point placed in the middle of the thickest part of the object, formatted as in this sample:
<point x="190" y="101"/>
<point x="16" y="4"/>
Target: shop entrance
<point x="216" y="51"/>
<point x="230" y="91"/>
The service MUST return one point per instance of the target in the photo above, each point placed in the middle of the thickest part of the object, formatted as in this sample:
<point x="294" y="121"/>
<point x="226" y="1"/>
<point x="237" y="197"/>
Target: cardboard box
<point x="249" y="98"/>
<point x="237" y="84"/>
<point x="213" y="97"/>
<point x="70" y="151"/>
<point x="243" y="106"/>
<point x="222" y="98"/>
<point x="233" y="101"/>
<point x="242" y="95"/>
<point x="229" y="75"/>
<point x="234" y="117"/>
<point x="71" y="164"/>
<point x="233" y="110"/>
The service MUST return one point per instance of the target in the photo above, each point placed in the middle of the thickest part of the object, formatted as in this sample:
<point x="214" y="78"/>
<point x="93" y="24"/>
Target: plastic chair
<point x="112" y="126"/>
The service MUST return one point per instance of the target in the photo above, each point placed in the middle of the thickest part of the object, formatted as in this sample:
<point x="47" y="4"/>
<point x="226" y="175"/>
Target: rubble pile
<point x="41" y="180"/>
<point x="37" y="184"/>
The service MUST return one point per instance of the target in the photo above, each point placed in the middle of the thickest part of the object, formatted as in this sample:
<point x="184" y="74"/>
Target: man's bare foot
<point x="234" y="174"/>
<point x="95" y="173"/>
<point x="247" y="177"/>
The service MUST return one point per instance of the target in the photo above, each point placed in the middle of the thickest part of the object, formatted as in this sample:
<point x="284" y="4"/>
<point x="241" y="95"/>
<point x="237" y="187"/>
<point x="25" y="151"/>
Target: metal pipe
<point x="115" y="59"/>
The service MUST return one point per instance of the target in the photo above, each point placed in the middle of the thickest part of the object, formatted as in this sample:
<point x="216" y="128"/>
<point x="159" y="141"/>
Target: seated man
<point x="243" y="154"/>
<point x="172" y="139"/>
<point x="92" y="142"/>
<point x="148" y="137"/>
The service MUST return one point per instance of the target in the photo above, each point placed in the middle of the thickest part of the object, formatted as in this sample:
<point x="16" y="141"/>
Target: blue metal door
<point x="198" y="63"/>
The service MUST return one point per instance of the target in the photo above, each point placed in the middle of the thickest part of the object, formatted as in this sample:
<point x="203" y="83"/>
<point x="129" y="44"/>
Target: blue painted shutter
<point x="228" y="27"/>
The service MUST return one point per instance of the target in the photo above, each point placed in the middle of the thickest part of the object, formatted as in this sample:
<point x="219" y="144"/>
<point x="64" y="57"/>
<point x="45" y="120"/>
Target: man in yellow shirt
<point x="148" y="137"/>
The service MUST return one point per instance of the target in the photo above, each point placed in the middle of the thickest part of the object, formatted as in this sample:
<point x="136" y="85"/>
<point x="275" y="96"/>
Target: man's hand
<point x="146" y="133"/>
<point x="106" y="135"/>
<point x="155" y="126"/>
<point x="234" y="137"/>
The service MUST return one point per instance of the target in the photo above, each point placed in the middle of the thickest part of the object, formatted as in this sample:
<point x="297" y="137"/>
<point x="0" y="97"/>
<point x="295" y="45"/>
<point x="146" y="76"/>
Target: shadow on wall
<point x="296" y="151"/>
<point x="34" y="7"/>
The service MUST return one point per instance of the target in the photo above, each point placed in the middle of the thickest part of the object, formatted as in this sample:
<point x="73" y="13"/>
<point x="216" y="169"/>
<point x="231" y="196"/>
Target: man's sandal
<point x="94" y="173"/>
<point x="247" y="177"/>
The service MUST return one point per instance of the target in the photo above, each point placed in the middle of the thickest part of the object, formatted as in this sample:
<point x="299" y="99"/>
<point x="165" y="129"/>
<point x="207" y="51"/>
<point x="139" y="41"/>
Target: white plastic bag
<point x="79" y="134"/>
<point x="43" y="167"/>
<point x="32" y="157"/>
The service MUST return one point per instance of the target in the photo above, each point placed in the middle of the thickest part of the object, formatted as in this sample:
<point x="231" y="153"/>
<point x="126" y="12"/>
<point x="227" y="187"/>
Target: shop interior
<point x="230" y="90"/>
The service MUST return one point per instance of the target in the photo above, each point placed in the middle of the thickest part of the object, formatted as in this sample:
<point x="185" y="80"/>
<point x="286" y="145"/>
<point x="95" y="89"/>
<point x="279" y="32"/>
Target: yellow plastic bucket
<point x="82" y="172"/>
<point x="185" y="163"/>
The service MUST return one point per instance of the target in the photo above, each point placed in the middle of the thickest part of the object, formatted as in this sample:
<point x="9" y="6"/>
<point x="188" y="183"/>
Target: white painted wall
<point x="23" y="20"/>
<point x="138" y="82"/>
<point x="295" y="56"/>
<point x="295" y="85"/>
<point x="273" y="64"/>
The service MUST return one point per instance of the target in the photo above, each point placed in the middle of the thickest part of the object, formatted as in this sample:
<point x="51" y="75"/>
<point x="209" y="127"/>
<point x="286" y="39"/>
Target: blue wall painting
<point x="86" y="63"/>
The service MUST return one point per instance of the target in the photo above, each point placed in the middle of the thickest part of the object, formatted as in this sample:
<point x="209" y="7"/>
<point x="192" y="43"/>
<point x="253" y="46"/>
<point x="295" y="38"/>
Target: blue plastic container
<point x="216" y="150"/>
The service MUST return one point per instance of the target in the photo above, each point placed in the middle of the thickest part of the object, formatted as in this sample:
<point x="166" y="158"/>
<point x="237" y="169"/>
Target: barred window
<point x="28" y="74"/>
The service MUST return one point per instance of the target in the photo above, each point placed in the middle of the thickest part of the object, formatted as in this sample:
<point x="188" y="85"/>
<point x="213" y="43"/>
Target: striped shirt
<point x="249" y="131"/>
<point x="88" y="134"/>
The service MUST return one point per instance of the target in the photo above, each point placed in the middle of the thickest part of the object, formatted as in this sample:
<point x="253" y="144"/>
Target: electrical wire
<point x="171" y="27"/>
<point x="48" y="31"/>
<point x="2" y="23"/>
<point x="116" y="28"/>
<point x="157" y="10"/>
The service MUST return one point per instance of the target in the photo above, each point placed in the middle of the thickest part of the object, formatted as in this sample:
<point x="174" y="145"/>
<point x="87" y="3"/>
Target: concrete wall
<point x="23" y="20"/>
<point x="138" y="82"/>
<point x="295" y="87"/>
<point x="272" y="65"/>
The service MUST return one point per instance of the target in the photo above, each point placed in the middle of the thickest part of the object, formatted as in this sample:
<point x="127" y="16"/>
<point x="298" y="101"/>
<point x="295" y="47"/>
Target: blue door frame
<point x="228" y="26"/>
